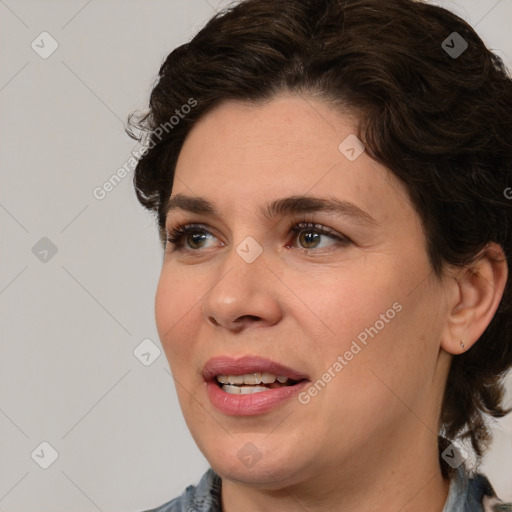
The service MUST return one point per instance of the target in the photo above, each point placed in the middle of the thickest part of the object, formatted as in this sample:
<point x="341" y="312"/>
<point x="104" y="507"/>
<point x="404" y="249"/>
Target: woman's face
<point x="350" y="306"/>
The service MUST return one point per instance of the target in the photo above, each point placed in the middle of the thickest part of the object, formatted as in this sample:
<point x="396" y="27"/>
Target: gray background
<point x="71" y="320"/>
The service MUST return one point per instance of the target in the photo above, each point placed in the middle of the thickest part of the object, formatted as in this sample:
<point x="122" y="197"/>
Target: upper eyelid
<point x="295" y="227"/>
<point x="201" y="226"/>
<point x="188" y="226"/>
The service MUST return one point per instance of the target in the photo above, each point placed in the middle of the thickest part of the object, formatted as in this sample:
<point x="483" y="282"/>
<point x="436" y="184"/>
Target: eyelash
<point x="176" y="235"/>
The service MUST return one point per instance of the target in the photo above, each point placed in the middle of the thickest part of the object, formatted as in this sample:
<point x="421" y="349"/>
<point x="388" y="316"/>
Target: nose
<point x="244" y="295"/>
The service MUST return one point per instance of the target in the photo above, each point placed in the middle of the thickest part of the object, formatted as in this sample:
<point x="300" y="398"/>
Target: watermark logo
<point x="454" y="45"/>
<point x="174" y="120"/>
<point x="44" y="45"/>
<point x="343" y="360"/>
<point x="454" y="455"/>
<point x="44" y="250"/>
<point x="44" y="455"/>
<point x="101" y="191"/>
<point x="249" y="249"/>
<point x="351" y="147"/>
<point x="147" y="352"/>
<point x="249" y="455"/>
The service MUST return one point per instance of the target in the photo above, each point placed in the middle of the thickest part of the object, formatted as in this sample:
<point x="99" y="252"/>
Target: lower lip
<point x="254" y="403"/>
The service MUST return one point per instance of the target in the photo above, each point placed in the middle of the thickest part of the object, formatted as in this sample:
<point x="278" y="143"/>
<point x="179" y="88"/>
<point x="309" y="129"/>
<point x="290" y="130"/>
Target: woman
<point x="329" y="180"/>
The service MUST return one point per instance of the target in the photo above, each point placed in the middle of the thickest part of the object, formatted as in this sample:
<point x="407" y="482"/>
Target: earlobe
<point x="477" y="291"/>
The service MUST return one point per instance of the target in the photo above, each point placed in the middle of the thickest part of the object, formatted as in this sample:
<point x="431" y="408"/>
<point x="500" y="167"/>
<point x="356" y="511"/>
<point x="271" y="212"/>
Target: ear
<point x="475" y="295"/>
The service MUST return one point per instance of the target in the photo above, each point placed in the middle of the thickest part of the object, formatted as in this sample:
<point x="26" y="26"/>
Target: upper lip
<point x="225" y="365"/>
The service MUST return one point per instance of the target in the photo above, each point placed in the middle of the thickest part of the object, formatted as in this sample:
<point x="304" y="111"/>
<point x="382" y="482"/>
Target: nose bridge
<point x="242" y="290"/>
<point x="244" y="262"/>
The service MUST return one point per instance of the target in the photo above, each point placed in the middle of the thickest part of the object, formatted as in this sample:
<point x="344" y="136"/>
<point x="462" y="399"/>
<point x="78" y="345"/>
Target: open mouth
<point x="249" y="383"/>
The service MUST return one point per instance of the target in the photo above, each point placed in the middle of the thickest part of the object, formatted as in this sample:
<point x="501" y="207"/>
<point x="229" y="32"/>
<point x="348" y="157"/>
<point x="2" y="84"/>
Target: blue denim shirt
<point x="466" y="494"/>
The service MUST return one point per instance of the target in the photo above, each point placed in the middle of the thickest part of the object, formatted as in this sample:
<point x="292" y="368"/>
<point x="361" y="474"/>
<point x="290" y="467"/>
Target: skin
<point x="368" y="440"/>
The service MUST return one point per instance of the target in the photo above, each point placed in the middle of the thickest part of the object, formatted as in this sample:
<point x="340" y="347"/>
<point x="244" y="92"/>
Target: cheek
<point x="395" y="357"/>
<point x="348" y="307"/>
<point x="176" y="307"/>
<point x="372" y="321"/>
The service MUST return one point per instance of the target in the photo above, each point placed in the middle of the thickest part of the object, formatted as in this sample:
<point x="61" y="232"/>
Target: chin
<point x="248" y="461"/>
<point x="268" y="476"/>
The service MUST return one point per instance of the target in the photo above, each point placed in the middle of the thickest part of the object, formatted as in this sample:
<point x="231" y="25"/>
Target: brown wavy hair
<point x="441" y="123"/>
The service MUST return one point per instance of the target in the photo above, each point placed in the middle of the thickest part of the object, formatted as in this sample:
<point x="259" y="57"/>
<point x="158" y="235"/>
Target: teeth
<point x="251" y="378"/>
<point x="234" y="390"/>
<point x="246" y="390"/>
<point x="268" y="378"/>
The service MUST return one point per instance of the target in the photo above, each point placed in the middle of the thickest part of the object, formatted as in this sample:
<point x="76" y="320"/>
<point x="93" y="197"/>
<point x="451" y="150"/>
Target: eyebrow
<point x="287" y="205"/>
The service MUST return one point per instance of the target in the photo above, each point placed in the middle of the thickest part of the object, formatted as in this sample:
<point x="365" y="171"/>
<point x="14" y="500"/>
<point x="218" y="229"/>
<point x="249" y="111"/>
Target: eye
<point x="310" y="235"/>
<point x="181" y="235"/>
<point x="192" y="237"/>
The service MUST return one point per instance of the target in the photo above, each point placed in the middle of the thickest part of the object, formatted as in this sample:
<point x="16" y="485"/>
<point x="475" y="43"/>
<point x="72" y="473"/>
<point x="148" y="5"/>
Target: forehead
<point x="287" y="128"/>
<point x="242" y="153"/>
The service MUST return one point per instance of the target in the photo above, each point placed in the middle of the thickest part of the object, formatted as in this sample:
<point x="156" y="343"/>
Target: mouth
<point x="250" y="383"/>
<point x="250" y="374"/>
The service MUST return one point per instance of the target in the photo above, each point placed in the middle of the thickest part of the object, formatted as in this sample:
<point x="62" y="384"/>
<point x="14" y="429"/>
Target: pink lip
<point x="255" y="403"/>
<point x="224" y="365"/>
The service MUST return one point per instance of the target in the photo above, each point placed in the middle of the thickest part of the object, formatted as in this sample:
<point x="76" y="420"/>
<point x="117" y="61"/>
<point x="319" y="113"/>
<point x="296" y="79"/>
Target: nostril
<point x="238" y="323"/>
<point x="213" y="321"/>
<point x="245" y="321"/>
<point x="248" y="317"/>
